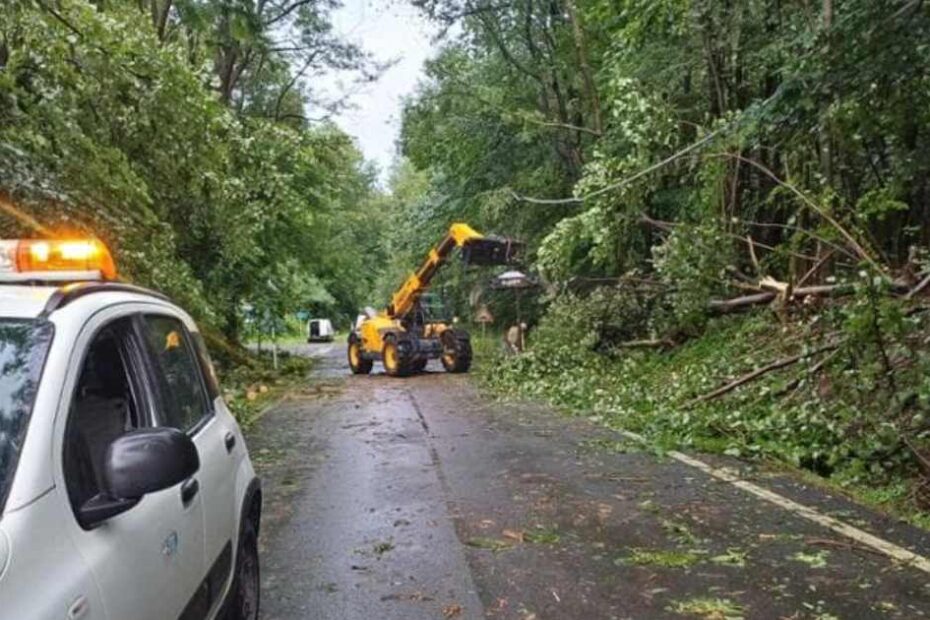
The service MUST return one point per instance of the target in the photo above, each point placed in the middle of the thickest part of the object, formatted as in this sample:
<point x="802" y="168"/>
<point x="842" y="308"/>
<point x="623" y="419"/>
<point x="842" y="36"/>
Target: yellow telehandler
<point x="402" y="336"/>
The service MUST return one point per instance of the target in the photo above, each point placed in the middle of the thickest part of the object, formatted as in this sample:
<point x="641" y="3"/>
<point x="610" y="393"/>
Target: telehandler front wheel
<point x="456" y="354"/>
<point x="395" y="363"/>
<point x="358" y="364"/>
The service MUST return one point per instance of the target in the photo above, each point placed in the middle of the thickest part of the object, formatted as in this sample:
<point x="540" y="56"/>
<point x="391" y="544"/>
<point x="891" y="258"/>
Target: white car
<point x="320" y="330"/>
<point x="126" y="490"/>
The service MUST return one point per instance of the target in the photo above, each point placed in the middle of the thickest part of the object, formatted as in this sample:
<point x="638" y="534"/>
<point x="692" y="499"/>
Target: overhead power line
<point x="638" y="175"/>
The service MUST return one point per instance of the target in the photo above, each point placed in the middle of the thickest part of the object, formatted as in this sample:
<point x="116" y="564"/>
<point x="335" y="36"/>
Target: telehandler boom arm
<point x="476" y="248"/>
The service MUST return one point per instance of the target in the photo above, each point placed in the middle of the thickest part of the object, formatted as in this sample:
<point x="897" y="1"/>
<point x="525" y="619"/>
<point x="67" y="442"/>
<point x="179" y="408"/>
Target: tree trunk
<point x="581" y="50"/>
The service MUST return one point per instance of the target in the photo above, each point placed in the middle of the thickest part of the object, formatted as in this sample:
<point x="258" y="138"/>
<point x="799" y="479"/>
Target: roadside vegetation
<point x="184" y="135"/>
<point x="727" y="207"/>
<point x="255" y="384"/>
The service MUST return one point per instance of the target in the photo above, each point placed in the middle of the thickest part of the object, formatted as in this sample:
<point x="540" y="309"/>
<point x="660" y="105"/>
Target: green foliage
<point x="692" y="263"/>
<point x="811" y="123"/>
<point x="838" y="413"/>
<point x="107" y="127"/>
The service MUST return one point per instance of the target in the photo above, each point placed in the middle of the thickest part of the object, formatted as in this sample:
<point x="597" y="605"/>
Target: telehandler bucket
<point x="491" y="251"/>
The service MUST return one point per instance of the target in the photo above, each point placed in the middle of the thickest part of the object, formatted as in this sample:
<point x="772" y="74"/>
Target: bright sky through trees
<point x="390" y="31"/>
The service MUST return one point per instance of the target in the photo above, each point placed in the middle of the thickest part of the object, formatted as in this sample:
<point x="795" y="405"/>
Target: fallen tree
<point x="755" y="374"/>
<point x="735" y="304"/>
<point x="657" y="343"/>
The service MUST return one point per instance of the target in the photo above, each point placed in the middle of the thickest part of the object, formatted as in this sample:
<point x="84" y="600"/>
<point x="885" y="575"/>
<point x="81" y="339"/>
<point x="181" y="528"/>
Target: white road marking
<point x="896" y="552"/>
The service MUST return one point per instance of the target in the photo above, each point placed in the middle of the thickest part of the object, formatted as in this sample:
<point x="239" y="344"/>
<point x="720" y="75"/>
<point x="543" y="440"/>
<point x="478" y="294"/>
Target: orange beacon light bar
<point x="55" y="260"/>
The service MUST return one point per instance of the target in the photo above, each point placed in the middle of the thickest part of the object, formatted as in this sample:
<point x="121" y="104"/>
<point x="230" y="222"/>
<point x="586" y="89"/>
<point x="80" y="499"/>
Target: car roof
<point x="24" y="301"/>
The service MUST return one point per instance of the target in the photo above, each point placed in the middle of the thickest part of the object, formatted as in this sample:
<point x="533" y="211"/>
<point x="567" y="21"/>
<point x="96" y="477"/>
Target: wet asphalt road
<point x="417" y="498"/>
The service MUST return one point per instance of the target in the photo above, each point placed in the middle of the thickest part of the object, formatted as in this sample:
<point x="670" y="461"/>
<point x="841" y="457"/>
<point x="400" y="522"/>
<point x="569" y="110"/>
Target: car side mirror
<point x="138" y="463"/>
<point x="148" y="460"/>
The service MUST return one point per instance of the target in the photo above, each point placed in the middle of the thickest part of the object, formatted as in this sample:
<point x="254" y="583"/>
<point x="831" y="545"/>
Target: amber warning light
<point x="55" y="259"/>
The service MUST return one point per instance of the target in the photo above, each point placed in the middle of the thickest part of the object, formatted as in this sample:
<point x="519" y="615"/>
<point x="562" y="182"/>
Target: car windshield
<point x="23" y="347"/>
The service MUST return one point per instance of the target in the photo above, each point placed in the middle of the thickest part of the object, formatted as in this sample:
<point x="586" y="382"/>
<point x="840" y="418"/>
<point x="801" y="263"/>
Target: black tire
<point x="245" y="594"/>
<point x="358" y="364"/>
<point x="394" y="359"/>
<point x="419" y="365"/>
<point x="457" y="353"/>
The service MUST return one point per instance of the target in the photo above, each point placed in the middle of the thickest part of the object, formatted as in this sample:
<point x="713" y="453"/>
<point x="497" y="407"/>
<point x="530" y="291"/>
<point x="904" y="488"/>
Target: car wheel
<point x="246" y="591"/>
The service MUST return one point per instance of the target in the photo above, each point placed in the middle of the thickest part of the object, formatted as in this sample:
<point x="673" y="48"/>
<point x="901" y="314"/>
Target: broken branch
<point x="755" y="374"/>
<point x="920" y="287"/>
<point x="656" y="343"/>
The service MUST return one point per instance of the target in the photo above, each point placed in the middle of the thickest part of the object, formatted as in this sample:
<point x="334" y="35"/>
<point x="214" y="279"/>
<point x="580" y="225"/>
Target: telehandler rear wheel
<point x="394" y="360"/>
<point x="456" y="354"/>
<point x="358" y="364"/>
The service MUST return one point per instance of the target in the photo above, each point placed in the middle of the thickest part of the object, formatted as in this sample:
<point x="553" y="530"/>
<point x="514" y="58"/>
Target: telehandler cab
<point x="402" y="336"/>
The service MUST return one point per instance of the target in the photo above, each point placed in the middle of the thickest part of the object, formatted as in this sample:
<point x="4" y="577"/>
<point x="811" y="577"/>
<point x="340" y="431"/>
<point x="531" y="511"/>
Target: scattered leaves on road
<point x="817" y="559"/>
<point x="733" y="557"/>
<point x="542" y="536"/>
<point x="660" y="557"/>
<point x="414" y="597"/>
<point x="492" y="544"/>
<point x="516" y="535"/>
<point x="383" y="547"/>
<point x="679" y="531"/>
<point x="709" y="608"/>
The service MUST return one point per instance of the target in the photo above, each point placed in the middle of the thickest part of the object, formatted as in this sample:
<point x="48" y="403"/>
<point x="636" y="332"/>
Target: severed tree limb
<point x="924" y="462"/>
<point x="657" y="343"/>
<point x="842" y="544"/>
<point x="722" y="306"/>
<point x="755" y="374"/>
<point x="813" y="270"/>
<point x="816" y="368"/>
<point x="920" y="287"/>
<point x="752" y="255"/>
<point x="644" y="218"/>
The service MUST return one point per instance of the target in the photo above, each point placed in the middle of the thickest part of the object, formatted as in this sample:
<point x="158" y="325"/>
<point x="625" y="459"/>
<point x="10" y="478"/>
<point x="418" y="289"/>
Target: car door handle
<point x="230" y="441"/>
<point x="79" y="608"/>
<point x="189" y="490"/>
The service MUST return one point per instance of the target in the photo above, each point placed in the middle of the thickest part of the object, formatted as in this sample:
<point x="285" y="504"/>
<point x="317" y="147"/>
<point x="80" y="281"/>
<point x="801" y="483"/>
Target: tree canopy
<point x="791" y="124"/>
<point x="178" y="133"/>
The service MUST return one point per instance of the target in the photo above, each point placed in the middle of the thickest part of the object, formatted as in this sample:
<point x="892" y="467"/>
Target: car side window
<point x="107" y="402"/>
<point x="178" y="378"/>
<point x="206" y="364"/>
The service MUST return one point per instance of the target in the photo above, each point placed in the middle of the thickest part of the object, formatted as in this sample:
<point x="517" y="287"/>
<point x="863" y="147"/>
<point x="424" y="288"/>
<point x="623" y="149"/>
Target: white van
<point x="320" y="330"/>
